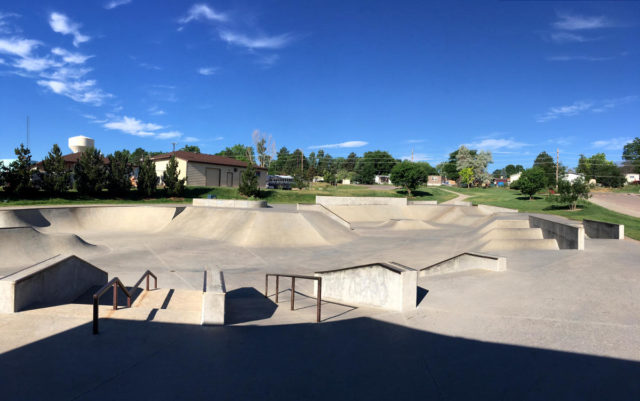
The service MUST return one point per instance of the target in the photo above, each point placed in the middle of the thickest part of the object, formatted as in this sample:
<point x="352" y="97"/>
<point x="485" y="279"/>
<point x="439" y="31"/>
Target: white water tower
<point x="80" y="143"/>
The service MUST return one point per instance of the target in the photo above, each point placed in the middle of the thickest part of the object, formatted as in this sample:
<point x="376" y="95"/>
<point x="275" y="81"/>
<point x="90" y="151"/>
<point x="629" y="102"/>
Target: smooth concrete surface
<point x="466" y="261"/>
<point x="359" y="200"/>
<point x="230" y="203"/>
<point x="599" y="229"/>
<point x="625" y="203"/>
<point x="380" y="285"/>
<point x="59" y="279"/>
<point x="422" y="202"/>
<point x="304" y="207"/>
<point x="568" y="235"/>
<point x="213" y="298"/>
<point x="555" y="325"/>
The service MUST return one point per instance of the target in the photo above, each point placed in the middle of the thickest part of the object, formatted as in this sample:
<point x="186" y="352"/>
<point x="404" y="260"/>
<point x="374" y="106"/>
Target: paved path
<point x="628" y="204"/>
<point x="453" y="201"/>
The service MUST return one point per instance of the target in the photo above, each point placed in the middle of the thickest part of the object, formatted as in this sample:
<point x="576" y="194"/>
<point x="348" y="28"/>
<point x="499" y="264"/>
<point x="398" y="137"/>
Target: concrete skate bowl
<point x="21" y="246"/>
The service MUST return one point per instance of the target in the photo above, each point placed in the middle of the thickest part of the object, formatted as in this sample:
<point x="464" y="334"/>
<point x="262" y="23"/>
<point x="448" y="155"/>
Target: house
<point x="571" y="177"/>
<point x="434" y="180"/>
<point x="635" y="177"/>
<point x="514" y="177"/>
<point x="501" y="182"/>
<point x="382" y="179"/>
<point x="201" y="169"/>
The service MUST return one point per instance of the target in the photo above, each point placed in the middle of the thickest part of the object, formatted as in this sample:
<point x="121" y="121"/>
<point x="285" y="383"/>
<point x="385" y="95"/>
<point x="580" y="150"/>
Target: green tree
<point x="249" y="182"/>
<point x="239" y="152"/>
<point x="548" y="165"/>
<point x="602" y="170"/>
<point x="90" y="173"/>
<point x="531" y="181"/>
<point x="147" y="177"/>
<point x="631" y="154"/>
<point x="330" y="178"/>
<point x="365" y="172"/>
<point x="191" y="148"/>
<point x="119" y="173"/>
<point x="477" y="161"/>
<point x="409" y="175"/>
<point x="299" y="181"/>
<point x="56" y="178"/>
<point x="466" y="175"/>
<point x="278" y="166"/>
<point x="571" y="192"/>
<point x="17" y="177"/>
<point x="350" y="162"/>
<point x="172" y="183"/>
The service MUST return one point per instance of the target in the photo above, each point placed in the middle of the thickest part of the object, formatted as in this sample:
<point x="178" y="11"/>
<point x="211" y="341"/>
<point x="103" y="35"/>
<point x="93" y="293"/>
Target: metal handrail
<point x="115" y="283"/>
<point x="293" y="289"/>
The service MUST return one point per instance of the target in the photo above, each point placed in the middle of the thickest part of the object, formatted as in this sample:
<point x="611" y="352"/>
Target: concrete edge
<point x="213" y="298"/>
<point x="466" y="261"/>
<point x="568" y="235"/>
<point x="603" y="230"/>
<point x="306" y="207"/>
<point x="230" y="203"/>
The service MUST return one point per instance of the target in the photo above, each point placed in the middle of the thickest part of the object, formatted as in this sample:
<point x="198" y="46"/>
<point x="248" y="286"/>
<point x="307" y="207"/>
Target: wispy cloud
<point x="567" y="22"/>
<point x="60" y="23"/>
<point x="168" y="135"/>
<point x="348" y="144"/>
<point x="207" y="70"/>
<point x="569" y="37"/>
<point x="70" y="57"/>
<point x="415" y="141"/>
<point x="497" y="144"/>
<point x="199" y="12"/>
<point x="564" y="111"/>
<point x="116" y="3"/>
<point x="6" y="27"/>
<point x="18" y="46"/>
<point x="609" y="104"/>
<point x="191" y="139"/>
<point x="417" y="157"/>
<point x="611" y="144"/>
<point x="257" y="42"/>
<point x="80" y="91"/>
<point x="268" y="61"/>
<point x="156" y="111"/>
<point x="133" y="126"/>
<point x="578" y="58"/>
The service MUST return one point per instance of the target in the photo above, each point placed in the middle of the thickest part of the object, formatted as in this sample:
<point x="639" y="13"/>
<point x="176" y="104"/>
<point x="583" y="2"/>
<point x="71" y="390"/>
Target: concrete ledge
<point x="602" y="230"/>
<point x="230" y="203"/>
<point x="422" y="202"/>
<point x="496" y="209"/>
<point x="57" y="280"/>
<point x="306" y="207"/>
<point x="466" y="261"/>
<point x="568" y="235"/>
<point x="213" y="298"/>
<point x="359" y="200"/>
<point x="381" y="285"/>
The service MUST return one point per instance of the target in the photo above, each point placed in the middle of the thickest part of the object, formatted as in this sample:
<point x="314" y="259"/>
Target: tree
<point x="631" y="154"/>
<point x="531" y="181"/>
<point x="299" y="181"/>
<point x="56" y="177"/>
<point x="548" y="165"/>
<point x="510" y="169"/>
<point x="239" y="152"/>
<point x="249" y="182"/>
<point x="17" y="176"/>
<point x="265" y="147"/>
<point x="119" y="173"/>
<point x="330" y="178"/>
<point x="90" y="173"/>
<point x="147" y="177"/>
<point x="571" y="192"/>
<point x="466" y="175"/>
<point x="409" y="175"/>
<point x="365" y="172"/>
<point x="599" y="168"/>
<point x="477" y="161"/>
<point x="350" y="162"/>
<point x="172" y="183"/>
<point x="191" y="148"/>
<point x="374" y="163"/>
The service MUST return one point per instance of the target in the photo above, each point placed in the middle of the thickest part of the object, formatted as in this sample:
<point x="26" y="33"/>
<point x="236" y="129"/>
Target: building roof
<point x="72" y="158"/>
<point x="204" y="158"/>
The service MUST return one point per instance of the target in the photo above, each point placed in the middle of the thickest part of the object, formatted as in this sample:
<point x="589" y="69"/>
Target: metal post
<point x="147" y="282"/>
<point x="95" y="315"/>
<point x="319" y="299"/>
<point x="277" y="287"/>
<point x="128" y="301"/>
<point x="155" y="282"/>
<point x="115" y="296"/>
<point x="293" y="290"/>
<point x="266" y="286"/>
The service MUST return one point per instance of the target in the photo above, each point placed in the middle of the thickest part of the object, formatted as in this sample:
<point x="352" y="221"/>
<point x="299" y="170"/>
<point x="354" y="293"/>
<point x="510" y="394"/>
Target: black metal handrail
<point x="293" y="289"/>
<point x="115" y="283"/>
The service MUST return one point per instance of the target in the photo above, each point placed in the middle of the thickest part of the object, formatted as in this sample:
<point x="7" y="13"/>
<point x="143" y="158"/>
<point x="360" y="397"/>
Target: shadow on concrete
<point x="246" y="304"/>
<point x="107" y="298"/>
<point x="422" y="292"/>
<point x="355" y="359"/>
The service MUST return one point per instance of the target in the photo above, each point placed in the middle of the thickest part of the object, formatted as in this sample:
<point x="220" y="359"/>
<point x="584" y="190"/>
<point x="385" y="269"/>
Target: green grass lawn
<point x="515" y="200"/>
<point x="271" y="195"/>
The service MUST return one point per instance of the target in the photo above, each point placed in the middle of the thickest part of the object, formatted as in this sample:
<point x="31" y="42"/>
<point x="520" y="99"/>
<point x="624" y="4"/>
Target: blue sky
<point x="514" y="78"/>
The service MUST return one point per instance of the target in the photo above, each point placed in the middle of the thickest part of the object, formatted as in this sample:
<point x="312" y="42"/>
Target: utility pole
<point x="412" y="154"/>
<point x="28" y="134"/>
<point x="557" y="166"/>
<point x="302" y="162"/>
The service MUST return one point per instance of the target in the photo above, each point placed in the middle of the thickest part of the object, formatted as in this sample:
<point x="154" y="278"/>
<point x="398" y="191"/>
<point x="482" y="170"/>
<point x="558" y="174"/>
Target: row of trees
<point x="92" y="174"/>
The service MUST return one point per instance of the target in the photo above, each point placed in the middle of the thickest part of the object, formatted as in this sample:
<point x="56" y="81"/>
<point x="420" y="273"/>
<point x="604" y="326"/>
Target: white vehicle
<point x="279" y="181"/>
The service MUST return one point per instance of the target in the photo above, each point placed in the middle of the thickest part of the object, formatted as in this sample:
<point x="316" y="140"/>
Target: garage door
<point x="213" y="177"/>
<point x="229" y="179"/>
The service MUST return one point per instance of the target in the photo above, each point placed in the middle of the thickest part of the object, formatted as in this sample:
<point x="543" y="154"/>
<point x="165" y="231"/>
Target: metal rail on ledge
<point x="293" y="289"/>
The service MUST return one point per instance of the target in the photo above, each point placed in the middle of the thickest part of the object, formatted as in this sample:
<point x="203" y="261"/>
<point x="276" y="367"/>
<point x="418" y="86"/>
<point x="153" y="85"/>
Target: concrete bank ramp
<point x="365" y="215"/>
<point x="23" y="245"/>
<point x="22" y="218"/>
<point x="253" y="228"/>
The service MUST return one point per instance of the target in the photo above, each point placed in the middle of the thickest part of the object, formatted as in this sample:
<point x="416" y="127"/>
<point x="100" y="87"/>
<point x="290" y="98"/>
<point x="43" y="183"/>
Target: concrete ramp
<point x="22" y="218"/>
<point x="21" y="245"/>
<point x="519" y="244"/>
<point x="466" y="261"/>
<point x="407" y="225"/>
<point x="109" y="219"/>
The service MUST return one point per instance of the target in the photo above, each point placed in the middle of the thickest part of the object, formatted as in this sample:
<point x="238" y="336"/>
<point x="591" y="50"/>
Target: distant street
<point x="628" y="204"/>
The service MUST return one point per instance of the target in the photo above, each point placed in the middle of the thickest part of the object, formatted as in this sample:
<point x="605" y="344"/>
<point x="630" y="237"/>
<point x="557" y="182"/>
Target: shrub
<point x="531" y="181"/>
<point x="249" y="182"/>
<point x="56" y="178"/>
<point x="409" y="175"/>
<point x="90" y="173"/>
<point x="147" y="177"/>
<point x="119" y="173"/>
<point x="17" y="177"/>
<point x="571" y="192"/>
<point x="173" y="184"/>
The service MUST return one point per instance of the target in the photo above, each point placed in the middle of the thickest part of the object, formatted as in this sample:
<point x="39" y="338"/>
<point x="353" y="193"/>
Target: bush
<point x="119" y="173"/>
<point x="56" y="178"/>
<point x="90" y="173"/>
<point x="173" y="185"/>
<point x="299" y="181"/>
<point x="572" y="192"/>
<point x="17" y="177"/>
<point x="409" y="175"/>
<point x="531" y="181"/>
<point x="249" y="182"/>
<point x="147" y="177"/>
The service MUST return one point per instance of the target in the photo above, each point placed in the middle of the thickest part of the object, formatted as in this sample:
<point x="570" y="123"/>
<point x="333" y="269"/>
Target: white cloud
<point x="609" y="104"/>
<point x="18" y="46"/>
<point x="260" y="42"/>
<point x="414" y="141"/>
<point x="168" y="135"/>
<point x="348" y="144"/>
<point x="199" y="12"/>
<point x="34" y="64"/>
<point x="497" y="144"/>
<point x="191" y="139"/>
<point x="564" y="111"/>
<point x="80" y="91"/>
<point x="61" y="24"/>
<point x="132" y="126"/>
<point x="580" y="22"/>
<point x="569" y="37"/>
<point x="116" y="3"/>
<point x="578" y="58"/>
<point x="611" y="144"/>
<point x="70" y="57"/>
<point x="207" y="70"/>
<point x="5" y="26"/>
<point x="156" y="111"/>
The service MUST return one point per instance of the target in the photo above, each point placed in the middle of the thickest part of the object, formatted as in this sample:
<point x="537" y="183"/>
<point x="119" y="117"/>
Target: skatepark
<point x="507" y="305"/>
